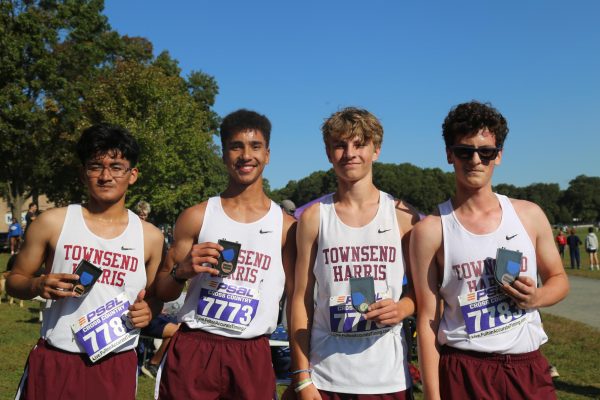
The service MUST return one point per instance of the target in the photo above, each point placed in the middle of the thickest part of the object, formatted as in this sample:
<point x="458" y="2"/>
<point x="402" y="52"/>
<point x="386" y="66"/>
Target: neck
<point x="474" y="199"/>
<point x="106" y="212"/>
<point x="358" y="192"/>
<point x="248" y="194"/>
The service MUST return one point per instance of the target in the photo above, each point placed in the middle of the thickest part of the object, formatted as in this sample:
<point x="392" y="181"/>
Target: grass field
<point x="573" y="348"/>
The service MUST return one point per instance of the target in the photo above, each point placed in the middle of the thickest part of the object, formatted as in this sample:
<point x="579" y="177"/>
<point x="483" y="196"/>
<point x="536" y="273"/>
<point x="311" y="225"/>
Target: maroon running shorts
<point x="403" y="395"/>
<point x="202" y="365"/>
<point x="54" y="374"/>
<point x="491" y="376"/>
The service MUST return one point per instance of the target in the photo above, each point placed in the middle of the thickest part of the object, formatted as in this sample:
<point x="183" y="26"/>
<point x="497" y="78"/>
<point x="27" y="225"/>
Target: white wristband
<point x="304" y="385"/>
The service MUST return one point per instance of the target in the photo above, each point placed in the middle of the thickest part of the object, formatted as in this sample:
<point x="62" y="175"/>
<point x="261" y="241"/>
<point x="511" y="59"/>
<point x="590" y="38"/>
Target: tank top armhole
<point x="446" y="212"/>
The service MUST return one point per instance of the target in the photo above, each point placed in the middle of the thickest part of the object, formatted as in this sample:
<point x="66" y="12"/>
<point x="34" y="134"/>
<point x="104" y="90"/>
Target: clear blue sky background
<point x="408" y="62"/>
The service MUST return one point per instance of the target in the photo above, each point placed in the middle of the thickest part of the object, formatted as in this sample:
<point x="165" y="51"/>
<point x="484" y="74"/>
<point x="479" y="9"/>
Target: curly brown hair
<point x="469" y="118"/>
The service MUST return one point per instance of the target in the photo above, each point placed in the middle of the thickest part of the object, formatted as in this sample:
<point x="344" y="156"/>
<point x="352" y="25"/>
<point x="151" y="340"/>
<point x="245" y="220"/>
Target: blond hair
<point x="352" y="122"/>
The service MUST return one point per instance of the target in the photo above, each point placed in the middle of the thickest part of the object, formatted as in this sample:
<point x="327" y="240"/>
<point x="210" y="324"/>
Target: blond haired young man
<point x="357" y="234"/>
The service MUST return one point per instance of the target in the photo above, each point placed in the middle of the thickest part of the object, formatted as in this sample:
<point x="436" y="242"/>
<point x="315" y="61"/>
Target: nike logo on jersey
<point x="263" y="232"/>
<point x="127" y="248"/>
<point x="383" y="230"/>
<point x="510" y="237"/>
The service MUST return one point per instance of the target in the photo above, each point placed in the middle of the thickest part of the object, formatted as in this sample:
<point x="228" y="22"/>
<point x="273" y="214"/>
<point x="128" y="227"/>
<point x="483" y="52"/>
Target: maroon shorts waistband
<point x="201" y="334"/>
<point x="505" y="358"/>
<point x="44" y="343"/>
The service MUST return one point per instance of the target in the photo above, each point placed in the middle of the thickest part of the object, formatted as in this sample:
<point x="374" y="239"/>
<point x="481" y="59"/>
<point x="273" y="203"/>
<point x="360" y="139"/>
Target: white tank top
<point x="246" y="303"/>
<point x="347" y="353"/>
<point x="123" y="271"/>
<point x="484" y="319"/>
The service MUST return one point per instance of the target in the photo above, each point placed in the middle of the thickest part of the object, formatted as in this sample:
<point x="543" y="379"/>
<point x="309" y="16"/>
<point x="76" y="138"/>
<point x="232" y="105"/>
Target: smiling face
<point x="352" y="158"/>
<point x="108" y="177"/>
<point x="245" y="155"/>
<point x="474" y="172"/>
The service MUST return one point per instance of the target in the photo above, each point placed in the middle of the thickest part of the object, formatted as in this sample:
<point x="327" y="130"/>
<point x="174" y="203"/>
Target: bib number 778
<point x="105" y="334"/>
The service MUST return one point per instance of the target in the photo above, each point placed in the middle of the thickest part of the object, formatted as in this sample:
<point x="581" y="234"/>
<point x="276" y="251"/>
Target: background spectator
<point x="591" y="247"/>
<point x="574" y="242"/>
<point x="561" y="241"/>
<point x="15" y="231"/>
<point x="142" y="209"/>
<point x="31" y="215"/>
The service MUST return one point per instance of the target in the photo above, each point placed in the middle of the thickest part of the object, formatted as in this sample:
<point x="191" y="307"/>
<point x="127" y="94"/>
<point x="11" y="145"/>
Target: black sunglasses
<point x="466" y="152"/>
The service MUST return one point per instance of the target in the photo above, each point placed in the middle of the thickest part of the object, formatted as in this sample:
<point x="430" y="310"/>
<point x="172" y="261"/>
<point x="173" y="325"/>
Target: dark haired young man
<point x="341" y="351"/>
<point x="79" y="328"/>
<point x="483" y="341"/>
<point x="221" y="349"/>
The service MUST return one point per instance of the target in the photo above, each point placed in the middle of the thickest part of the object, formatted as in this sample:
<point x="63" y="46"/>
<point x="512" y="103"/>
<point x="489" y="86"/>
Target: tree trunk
<point x="16" y="198"/>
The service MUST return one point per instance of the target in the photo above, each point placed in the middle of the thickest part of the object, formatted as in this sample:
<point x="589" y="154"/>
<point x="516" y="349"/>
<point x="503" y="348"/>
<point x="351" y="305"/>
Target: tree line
<point x="424" y="188"/>
<point x="63" y="68"/>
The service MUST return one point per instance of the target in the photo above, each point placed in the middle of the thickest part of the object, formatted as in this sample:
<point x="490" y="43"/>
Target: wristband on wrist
<point x="299" y="371"/>
<point x="303" y="384"/>
<point x="174" y="276"/>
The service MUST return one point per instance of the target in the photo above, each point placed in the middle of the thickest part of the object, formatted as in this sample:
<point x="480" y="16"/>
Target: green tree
<point x="50" y="51"/>
<point x="180" y="163"/>
<point x="582" y="198"/>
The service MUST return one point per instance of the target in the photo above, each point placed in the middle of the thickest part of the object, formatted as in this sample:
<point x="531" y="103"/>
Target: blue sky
<point x="408" y="62"/>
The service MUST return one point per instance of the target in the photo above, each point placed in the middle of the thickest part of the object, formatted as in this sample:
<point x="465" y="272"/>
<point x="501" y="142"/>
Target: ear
<point x="82" y="176"/>
<point x="328" y="152"/>
<point x="268" y="156"/>
<point x="498" y="159"/>
<point x="133" y="176"/>
<point x="376" y="153"/>
<point x="449" y="156"/>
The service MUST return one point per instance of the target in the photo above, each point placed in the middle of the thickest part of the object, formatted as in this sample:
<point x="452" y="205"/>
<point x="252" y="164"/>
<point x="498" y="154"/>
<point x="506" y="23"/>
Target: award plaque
<point x="508" y="266"/>
<point x="362" y="291"/>
<point x="228" y="257"/>
<point x="88" y="275"/>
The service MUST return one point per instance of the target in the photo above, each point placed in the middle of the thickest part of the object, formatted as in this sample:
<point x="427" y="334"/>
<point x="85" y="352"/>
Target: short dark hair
<point x="31" y="205"/>
<point x="469" y="118"/>
<point x="244" y="120"/>
<point x="104" y="138"/>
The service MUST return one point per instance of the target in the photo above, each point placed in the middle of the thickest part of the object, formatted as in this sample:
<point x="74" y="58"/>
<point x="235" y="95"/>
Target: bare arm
<point x="185" y="252"/>
<point x="147" y="304"/>
<point x="302" y="300"/>
<point x="549" y="264"/>
<point x="41" y="239"/>
<point x="425" y="246"/>
<point x="288" y="255"/>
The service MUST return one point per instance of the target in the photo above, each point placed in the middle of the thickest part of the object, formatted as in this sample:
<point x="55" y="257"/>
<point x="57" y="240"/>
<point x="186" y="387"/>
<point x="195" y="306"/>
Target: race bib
<point x="346" y="321"/>
<point x="227" y="306"/>
<point x="103" y="330"/>
<point x="489" y="312"/>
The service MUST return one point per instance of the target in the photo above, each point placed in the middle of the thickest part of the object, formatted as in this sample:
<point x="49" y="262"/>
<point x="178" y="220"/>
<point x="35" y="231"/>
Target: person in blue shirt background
<point x="15" y="231"/>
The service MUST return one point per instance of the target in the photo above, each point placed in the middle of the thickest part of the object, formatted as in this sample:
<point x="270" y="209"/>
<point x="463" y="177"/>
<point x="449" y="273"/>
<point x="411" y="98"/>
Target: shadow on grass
<point x="32" y="320"/>
<point x="592" y="392"/>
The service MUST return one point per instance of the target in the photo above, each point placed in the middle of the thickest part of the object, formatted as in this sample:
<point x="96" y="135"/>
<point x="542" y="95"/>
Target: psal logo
<point x="100" y="310"/>
<point x="483" y="293"/>
<point x="233" y="289"/>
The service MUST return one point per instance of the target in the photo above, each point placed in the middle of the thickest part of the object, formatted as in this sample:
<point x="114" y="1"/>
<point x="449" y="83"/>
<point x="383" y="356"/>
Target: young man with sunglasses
<point x="479" y="338"/>
<point x="347" y="339"/>
<point x="88" y="337"/>
<point x="232" y="302"/>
